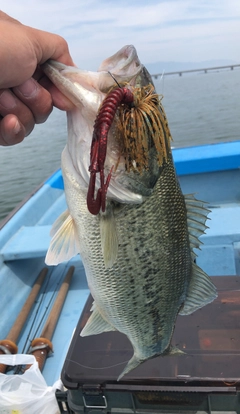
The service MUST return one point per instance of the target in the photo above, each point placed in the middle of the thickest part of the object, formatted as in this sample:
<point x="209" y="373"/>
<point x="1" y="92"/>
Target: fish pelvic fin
<point x="109" y="239"/>
<point x="96" y="324"/>
<point x="201" y="291"/>
<point x="64" y="244"/>
<point x="59" y="222"/>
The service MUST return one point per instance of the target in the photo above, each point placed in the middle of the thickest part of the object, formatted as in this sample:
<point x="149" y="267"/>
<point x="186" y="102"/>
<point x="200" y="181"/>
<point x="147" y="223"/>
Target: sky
<point x="170" y="30"/>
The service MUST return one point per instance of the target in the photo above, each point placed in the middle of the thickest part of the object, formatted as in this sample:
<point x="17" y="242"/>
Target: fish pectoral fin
<point x="201" y="291"/>
<point x="96" y="324"/>
<point x="64" y="244"/>
<point x="109" y="239"/>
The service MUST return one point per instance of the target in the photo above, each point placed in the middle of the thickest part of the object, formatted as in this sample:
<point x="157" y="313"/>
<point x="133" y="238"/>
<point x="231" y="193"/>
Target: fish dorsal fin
<point x="96" y="324"/>
<point x="196" y="218"/>
<point x="201" y="291"/>
<point x="109" y="239"/>
<point x="64" y="244"/>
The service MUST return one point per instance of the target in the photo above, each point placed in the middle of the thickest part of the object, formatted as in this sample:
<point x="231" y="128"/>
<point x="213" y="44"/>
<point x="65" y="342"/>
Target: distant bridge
<point x="204" y="70"/>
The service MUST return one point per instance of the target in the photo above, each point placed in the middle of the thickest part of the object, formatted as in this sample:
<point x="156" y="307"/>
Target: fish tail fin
<point x="135" y="361"/>
<point x="173" y="351"/>
<point x="132" y="363"/>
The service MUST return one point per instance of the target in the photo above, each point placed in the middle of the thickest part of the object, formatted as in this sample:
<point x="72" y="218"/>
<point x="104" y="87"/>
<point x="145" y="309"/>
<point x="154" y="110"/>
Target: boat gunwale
<point x="12" y="213"/>
<point x="49" y="181"/>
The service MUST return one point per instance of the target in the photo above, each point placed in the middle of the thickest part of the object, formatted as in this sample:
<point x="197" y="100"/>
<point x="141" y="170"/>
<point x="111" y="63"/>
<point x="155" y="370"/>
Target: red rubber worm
<point x="101" y="128"/>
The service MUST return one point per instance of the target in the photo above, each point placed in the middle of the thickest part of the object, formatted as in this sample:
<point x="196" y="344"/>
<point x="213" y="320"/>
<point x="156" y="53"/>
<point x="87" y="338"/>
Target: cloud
<point x="160" y="30"/>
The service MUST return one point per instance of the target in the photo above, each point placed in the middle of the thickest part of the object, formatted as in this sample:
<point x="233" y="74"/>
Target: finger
<point x="59" y="100"/>
<point x="56" y="49"/>
<point x="4" y="16"/>
<point x="10" y="104"/>
<point x="11" y="131"/>
<point x="36" y="98"/>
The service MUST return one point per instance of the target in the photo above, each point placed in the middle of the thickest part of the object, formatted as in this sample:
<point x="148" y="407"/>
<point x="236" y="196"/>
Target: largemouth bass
<point x="138" y="246"/>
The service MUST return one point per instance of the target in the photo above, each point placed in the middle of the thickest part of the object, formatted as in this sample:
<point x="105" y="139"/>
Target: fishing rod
<point x="8" y="345"/>
<point x="41" y="347"/>
<point x="33" y="331"/>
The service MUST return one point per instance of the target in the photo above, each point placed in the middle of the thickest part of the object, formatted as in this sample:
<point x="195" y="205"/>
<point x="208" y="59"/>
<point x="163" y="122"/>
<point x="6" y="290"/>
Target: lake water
<point x="201" y="108"/>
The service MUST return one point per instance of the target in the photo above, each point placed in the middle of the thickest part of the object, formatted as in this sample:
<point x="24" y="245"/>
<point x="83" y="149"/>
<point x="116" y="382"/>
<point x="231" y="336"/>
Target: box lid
<point x="210" y="337"/>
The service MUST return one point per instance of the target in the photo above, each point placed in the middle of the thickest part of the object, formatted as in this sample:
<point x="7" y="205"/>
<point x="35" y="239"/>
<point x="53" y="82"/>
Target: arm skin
<point x="26" y="95"/>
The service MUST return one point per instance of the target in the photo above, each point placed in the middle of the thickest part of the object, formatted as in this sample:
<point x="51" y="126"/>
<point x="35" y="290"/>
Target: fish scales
<point x="138" y="254"/>
<point x="142" y="293"/>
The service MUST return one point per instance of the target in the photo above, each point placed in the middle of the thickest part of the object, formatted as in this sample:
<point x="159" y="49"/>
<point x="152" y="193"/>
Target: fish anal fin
<point x="96" y="324"/>
<point x="64" y="244"/>
<point x="109" y="239"/>
<point x="201" y="291"/>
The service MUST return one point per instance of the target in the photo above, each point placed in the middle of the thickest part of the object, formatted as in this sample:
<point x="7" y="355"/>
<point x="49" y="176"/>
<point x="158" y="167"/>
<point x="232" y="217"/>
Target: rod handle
<point x="7" y="347"/>
<point x="40" y="348"/>
<point x="25" y="311"/>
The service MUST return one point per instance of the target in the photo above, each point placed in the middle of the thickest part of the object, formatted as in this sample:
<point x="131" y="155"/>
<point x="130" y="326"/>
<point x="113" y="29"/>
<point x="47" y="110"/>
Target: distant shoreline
<point x="166" y="66"/>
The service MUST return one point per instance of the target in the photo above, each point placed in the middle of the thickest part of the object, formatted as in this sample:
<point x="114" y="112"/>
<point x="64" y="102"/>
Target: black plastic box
<point x="206" y="378"/>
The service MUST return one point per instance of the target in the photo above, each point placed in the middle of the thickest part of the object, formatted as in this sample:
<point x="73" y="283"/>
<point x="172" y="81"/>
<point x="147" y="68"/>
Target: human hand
<point x="26" y="95"/>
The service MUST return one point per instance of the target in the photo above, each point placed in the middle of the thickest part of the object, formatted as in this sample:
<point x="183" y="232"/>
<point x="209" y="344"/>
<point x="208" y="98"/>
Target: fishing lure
<point x="140" y="124"/>
<point x="102" y="125"/>
<point x="143" y="126"/>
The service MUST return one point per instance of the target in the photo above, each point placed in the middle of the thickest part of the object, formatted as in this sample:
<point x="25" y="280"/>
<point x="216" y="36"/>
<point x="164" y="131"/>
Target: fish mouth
<point x="123" y="63"/>
<point x="81" y="85"/>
